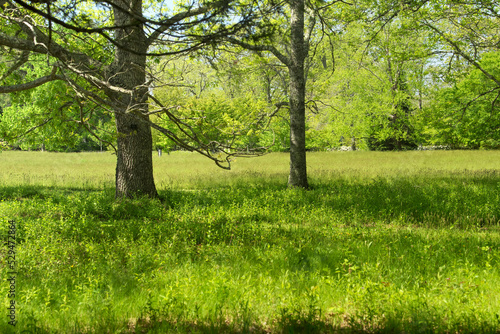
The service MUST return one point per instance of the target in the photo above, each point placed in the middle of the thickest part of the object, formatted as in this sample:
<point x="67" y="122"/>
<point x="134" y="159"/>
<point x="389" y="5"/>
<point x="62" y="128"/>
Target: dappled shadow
<point x="461" y="199"/>
<point x="248" y="214"/>
<point x="222" y="226"/>
<point x="36" y="191"/>
<point x="300" y="322"/>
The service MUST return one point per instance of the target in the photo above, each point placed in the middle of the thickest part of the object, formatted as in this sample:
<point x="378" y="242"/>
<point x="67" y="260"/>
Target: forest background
<point x="398" y="81"/>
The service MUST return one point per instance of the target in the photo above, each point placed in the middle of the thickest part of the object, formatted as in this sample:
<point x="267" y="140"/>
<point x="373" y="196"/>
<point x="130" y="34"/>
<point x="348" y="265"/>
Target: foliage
<point x="51" y="117"/>
<point x="465" y="115"/>
<point x="211" y="97"/>
<point x="234" y="122"/>
<point x="380" y="77"/>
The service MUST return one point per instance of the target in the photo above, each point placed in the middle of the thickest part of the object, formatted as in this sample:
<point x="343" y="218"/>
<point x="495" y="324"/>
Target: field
<point x="382" y="242"/>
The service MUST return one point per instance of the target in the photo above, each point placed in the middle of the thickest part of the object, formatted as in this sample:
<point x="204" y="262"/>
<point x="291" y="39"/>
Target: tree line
<point x="230" y="78"/>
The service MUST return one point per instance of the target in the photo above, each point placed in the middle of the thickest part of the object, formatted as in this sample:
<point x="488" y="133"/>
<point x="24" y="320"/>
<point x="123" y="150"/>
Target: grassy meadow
<point x="383" y="242"/>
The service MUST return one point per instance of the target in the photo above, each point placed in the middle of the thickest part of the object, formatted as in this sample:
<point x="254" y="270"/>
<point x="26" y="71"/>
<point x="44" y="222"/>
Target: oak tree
<point x="104" y="51"/>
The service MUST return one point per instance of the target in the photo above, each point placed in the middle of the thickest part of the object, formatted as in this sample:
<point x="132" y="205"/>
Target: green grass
<point x="383" y="242"/>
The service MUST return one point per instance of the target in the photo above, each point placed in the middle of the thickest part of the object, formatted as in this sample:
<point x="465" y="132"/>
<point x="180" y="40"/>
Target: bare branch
<point x="270" y="116"/>
<point x="468" y="104"/>
<point x="34" y="128"/>
<point x="372" y="38"/>
<point x="85" y="124"/>
<point x="92" y="96"/>
<point x="160" y="110"/>
<point x="205" y="147"/>
<point x="167" y="24"/>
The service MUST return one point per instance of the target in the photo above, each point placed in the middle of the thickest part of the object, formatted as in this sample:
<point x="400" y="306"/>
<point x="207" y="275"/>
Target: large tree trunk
<point x="298" y="170"/>
<point x="134" y="167"/>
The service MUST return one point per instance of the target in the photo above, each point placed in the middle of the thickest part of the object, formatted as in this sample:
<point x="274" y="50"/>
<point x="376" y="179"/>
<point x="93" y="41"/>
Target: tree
<point x="464" y="111"/>
<point x="465" y="114"/>
<point x="376" y="92"/>
<point x="296" y="37"/>
<point x="103" y="51"/>
<point x="399" y="57"/>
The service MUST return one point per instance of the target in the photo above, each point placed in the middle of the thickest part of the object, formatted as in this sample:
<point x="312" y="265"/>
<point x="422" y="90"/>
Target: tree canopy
<point x="227" y="78"/>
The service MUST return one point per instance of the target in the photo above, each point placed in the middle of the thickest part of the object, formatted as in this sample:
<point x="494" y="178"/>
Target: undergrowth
<point x="414" y="252"/>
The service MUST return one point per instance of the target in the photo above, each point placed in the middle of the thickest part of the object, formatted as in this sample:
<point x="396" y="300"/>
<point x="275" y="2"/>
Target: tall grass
<point x="383" y="242"/>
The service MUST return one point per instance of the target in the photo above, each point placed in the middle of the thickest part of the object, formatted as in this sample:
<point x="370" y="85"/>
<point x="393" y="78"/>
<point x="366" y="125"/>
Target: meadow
<point x="383" y="242"/>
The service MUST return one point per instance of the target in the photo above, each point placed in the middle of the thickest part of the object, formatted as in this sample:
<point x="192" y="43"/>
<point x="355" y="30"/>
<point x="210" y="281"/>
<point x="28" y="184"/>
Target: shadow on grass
<point x="247" y="213"/>
<point x="423" y="320"/>
<point x="297" y="323"/>
<point x="459" y="199"/>
<point x="40" y="192"/>
<point x="449" y="198"/>
<point x="255" y="216"/>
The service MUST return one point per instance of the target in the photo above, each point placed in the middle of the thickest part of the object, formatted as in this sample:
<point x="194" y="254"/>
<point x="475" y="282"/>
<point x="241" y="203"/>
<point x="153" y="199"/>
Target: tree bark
<point x="134" y="166"/>
<point x="298" y="167"/>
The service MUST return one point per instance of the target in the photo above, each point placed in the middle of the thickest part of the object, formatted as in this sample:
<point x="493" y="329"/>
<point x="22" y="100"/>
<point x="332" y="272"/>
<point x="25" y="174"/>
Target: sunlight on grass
<point x="384" y="242"/>
<point x="188" y="169"/>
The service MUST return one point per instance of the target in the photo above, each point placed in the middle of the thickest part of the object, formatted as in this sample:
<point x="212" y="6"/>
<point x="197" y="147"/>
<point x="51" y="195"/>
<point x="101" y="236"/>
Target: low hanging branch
<point x="108" y="65"/>
<point x="207" y="147"/>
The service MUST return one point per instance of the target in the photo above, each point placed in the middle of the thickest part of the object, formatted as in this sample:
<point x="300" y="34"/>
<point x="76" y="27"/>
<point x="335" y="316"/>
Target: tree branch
<point x="85" y="124"/>
<point x="269" y="48"/>
<point x="20" y="62"/>
<point x="468" y="104"/>
<point x="41" y="45"/>
<point x="167" y="24"/>
<point x="463" y="54"/>
<point x="21" y="44"/>
<point x="34" y="128"/>
<point x="32" y="84"/>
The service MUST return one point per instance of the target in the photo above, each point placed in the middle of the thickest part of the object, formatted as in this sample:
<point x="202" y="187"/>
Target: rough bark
<point x="298" y="167"/>
<point x="134" y="167"/>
